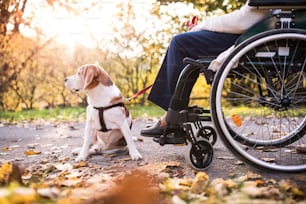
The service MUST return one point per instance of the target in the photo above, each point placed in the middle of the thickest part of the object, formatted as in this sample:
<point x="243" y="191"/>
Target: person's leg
<point x="190" y="44"/>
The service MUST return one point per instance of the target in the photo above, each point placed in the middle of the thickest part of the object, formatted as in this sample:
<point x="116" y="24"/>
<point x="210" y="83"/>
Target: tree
<point x="19" y="54"/>
<point x="136" y="52"/>
<point x="10" y="20"/>
<point x="17" y="51"/>
<point x="211" y="5"/>
<point x="32" y="68"/>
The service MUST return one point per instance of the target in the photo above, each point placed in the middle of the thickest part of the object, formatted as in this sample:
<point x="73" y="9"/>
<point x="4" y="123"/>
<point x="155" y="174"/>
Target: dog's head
<point x="87" y="77"/>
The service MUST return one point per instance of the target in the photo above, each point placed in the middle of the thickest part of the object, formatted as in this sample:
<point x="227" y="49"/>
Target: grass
<point x="78" y="113"/>
<point x="263" y="111"/>
<point x="71" y="114"/>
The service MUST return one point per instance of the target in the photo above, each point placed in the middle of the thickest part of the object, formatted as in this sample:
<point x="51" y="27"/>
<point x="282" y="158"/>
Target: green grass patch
<point x="145" y="111"/>
<point x="262" y="111"/>
<point x="72" y="114"/>
<point x="56" y="114"/>
<point x="137" y="111"/>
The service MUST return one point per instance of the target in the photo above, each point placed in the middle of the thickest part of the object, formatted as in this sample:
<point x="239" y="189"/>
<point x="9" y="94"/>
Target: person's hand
<point x="191" y="23"/>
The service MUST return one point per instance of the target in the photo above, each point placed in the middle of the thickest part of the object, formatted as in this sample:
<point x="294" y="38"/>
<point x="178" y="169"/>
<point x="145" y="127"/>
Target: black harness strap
<point x="101" y="115"/>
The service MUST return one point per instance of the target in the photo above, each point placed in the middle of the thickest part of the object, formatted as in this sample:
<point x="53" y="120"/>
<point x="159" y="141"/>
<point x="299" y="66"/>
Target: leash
<point x="138" y="93"/>
<point x="192" y="22"/>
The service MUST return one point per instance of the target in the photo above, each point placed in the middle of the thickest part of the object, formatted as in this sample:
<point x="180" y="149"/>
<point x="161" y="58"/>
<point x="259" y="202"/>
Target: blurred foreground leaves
<point x="42" y="173"/>
<point x="251" y="188"/>
<point x="72" y="183"/>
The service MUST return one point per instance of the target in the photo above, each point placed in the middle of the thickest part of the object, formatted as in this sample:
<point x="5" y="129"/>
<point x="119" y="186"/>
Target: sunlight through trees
<point x="44" y="41"/>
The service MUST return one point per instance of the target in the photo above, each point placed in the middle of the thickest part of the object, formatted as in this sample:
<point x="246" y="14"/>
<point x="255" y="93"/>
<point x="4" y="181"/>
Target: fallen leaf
<point x="26" y="175"/>
<point x="80" y="164"/>
<point x="297" y="192"/>
<point x="4" y="193"/>
<point x="63" y="167"/>
<point x="300" y="178"/>
<point x="177" y="200"/>
<point x="251" y="190"/>
<point x="23" y="195"/>
<point x="239" y="162"/>
<point x="72" y="182"/>
<point x="301" y="148"/>
<point x="218" y="187"/>
<point x="5" y="149"/>
<point x="172" y="184"/>
<point x="253" y="176"/>
<point x="268" y="159"/>
<point x="237" y="120"/>
<point x="200" y="183"/>
<point x="269" y="149"/>
<point x="139" y="139"/>
<point x="31" y="152"/>
<point x="32" y="146"/>
<point x="5" y="172"/>
<point x="226" y="158"/>
<point x="51" y="193"/>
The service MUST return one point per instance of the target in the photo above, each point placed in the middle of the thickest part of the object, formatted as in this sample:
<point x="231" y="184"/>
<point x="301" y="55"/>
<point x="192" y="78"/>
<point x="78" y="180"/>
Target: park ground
<point x="47" y="173"/>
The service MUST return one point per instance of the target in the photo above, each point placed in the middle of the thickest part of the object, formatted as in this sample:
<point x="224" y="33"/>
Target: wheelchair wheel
<point x="208" y="133"/>
<point x="200" y="155"/>
<point x="258" y="101"/>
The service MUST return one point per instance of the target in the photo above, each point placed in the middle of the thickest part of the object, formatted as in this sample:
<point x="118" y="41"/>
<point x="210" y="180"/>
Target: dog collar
<point x="101" y="115"/>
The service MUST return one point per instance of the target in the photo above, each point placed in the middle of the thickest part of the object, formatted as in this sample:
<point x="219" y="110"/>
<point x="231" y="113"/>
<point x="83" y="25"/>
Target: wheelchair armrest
<point x="203" y="63"/>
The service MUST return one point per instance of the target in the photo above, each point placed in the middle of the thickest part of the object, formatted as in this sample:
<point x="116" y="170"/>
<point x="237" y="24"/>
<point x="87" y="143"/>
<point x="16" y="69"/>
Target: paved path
<point x="57" y="141"/>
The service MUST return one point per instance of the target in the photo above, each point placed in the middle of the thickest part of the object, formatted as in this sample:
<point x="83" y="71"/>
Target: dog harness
<point x="101" y="114"/>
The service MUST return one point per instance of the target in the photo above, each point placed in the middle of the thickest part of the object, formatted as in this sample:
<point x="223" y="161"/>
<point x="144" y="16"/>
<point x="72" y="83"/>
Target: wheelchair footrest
<point x="172" y="136"/>
<point x="191" y="114"/>
<point x="170" y="140"/>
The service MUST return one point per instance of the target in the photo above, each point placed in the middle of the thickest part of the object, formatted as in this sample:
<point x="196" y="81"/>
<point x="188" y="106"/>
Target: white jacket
<point x="235" y="22"/>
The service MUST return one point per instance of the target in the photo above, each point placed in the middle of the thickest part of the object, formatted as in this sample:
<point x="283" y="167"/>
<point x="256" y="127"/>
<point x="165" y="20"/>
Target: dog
<point x="108" y="122"/>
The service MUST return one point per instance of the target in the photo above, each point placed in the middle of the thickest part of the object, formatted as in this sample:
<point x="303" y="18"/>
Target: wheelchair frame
<point x="287" y="23"/>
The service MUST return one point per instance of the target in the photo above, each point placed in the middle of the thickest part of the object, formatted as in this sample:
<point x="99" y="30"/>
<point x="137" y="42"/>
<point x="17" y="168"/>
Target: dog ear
<point x="90" y="75"/>
<point x="93" y="75"/>
<point x="104" y="78"/>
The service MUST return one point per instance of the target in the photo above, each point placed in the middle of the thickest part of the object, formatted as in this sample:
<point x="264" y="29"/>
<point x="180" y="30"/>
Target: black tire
<point x="200" y="155"/>
<point x="208" y="133"/>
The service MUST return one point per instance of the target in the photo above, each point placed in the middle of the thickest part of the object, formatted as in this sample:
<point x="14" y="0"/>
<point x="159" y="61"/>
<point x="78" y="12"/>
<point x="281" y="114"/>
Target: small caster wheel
<point x="208" y="133"/>
<point x="200" y="154"/>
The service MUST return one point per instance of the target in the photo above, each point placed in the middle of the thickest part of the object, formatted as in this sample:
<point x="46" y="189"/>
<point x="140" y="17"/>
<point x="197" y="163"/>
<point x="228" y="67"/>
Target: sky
<point x="71" y="28"/>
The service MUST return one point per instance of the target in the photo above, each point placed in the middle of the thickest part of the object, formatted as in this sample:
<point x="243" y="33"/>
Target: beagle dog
<point x="108" y="121"/>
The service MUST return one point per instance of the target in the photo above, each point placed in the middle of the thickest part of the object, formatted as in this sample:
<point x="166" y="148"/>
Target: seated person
<point x="211" y="37"/>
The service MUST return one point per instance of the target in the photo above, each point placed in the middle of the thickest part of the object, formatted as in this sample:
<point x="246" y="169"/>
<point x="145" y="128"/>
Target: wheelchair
<point x="257" y="98"/>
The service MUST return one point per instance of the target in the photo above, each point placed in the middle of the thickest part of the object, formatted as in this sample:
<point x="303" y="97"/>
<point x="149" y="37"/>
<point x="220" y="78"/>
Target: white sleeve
<point x="235" y="22"/>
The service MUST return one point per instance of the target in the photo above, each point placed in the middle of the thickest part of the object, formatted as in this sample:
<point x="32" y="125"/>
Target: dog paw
<point x="135" y="155"/>
<point x="75" y="151"/>
<point x="81" y="157"/>
<point x="95" y="149"/>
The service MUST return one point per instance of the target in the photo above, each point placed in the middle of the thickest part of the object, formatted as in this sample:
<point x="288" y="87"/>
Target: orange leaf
<point x="237" y="120"/>
<point x="80" y="164"/>
<point x="6" y="149"/>
<point x="31" y="152"/>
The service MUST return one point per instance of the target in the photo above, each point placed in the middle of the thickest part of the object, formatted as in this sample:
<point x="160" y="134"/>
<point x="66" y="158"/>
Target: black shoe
<point x="154" y="131"/>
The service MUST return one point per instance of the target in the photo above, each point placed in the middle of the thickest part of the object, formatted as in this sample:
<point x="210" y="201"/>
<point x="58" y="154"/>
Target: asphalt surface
<point x="57" y="140"/>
